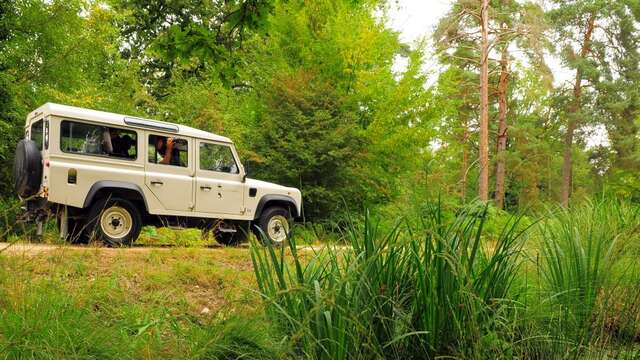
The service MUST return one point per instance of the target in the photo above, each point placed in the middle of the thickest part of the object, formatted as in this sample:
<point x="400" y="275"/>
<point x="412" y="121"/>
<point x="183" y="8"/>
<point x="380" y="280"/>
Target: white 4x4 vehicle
<point x="106" y="175"/>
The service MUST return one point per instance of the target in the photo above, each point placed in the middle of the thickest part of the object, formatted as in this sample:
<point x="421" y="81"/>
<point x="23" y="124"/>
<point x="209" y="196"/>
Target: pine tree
<point x="483" y="180"/>
<point x="603" y="31"/>
<point x="517" y="23"/>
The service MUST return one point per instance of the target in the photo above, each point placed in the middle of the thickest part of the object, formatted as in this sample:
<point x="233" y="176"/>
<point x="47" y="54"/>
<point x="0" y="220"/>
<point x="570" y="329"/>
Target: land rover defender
<point x="104" y="176"/>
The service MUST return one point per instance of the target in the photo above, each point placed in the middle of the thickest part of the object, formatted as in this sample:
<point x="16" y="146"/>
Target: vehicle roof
<point x="116" y="119"/>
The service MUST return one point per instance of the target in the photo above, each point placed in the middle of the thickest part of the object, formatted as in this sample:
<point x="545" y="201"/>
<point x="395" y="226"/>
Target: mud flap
<point x="64" y="223"/>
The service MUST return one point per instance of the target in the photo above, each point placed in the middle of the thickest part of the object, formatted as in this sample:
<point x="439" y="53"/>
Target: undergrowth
<point x="437" y="285"/>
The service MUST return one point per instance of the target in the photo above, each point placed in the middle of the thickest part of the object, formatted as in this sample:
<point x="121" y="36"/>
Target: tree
<point x="457" y="90"/>
<point x="325" y="110"/>
<point x="188" y="36"/>
<point x="508" y="22"/>
<point x="603" y="55"/>
<point x="9" y="121"/>
<point x="60" y="51"/>
<point x="618" y="105"/>
<point x="309" y="139"/>
<point x="483" y="180"/>
<point x="517" y="23"/>
<point x="573" y="118"/>
<point x="575" y="23"/>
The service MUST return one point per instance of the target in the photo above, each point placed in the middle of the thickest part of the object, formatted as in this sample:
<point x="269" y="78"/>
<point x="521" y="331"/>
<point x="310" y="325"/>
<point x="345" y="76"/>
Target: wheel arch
<point x="277" y="200"/>
<point x="123" y="189"/>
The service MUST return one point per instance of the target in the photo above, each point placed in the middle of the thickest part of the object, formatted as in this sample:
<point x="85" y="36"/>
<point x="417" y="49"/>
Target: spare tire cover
<point x="27" y="168"/>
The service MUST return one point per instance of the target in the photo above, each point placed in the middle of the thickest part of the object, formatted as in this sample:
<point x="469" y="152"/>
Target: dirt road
<point x="23" y="248"/>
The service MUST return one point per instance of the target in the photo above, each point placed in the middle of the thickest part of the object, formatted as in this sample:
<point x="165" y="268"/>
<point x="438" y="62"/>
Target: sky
<point x="416" y="18"/>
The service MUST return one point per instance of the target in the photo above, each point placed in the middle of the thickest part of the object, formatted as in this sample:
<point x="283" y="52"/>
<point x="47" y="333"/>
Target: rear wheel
<point x="114" y="221"/>
<point x="274" y="226"/>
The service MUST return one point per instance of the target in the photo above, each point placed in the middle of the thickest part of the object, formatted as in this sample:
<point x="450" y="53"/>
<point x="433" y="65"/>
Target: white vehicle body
<point x="75" y="171"/>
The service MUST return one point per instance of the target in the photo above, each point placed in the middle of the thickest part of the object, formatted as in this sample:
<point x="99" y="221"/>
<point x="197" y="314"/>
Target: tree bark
<point x="465" y="161"/>
<point x="502" y="128"/>
<point x="572" y="119"/>
<point x="483" y="181"/>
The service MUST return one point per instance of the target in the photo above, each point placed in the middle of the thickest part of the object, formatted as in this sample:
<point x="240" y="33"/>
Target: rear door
<point x="169" y="170"/>
<point x="219" y="187"/>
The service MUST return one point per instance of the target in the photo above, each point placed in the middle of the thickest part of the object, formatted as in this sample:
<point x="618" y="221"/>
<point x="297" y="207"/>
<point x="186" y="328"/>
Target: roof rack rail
<point x="151" y="124"/>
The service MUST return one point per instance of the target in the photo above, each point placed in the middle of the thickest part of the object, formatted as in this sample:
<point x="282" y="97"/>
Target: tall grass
<point x="75" y="305"/>
<point x="440" y="284"/>
<point x="419" y="290"/>
<point x="580" y="254"/>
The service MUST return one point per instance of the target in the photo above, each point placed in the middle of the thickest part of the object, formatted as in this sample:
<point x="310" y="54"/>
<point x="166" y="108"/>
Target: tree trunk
<point x="483" y="181"/>
<point x="465" y="161"/>
<point x="502" y="127"/>
<point x="572" y="120"/>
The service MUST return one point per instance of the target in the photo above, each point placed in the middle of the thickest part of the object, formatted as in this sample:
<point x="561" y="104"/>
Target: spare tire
<point x="27" y="168"/>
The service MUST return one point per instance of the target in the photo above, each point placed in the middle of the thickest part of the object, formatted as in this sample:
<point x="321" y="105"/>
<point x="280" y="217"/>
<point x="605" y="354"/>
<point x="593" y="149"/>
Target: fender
<point x="112" y="185"/>
<point x="275" y="197"/>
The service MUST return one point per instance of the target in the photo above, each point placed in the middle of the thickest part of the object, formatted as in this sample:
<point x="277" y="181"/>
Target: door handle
<point x="205" y="188"/>
<point x="156" y="182"/>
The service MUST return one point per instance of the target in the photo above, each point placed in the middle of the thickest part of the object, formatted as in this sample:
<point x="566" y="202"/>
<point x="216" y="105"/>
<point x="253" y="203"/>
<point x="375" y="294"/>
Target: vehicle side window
<point x="90" y="139"/>
<point x="168" y="151"/>
<point x="37" y="133"/>
<point x="215" y="157"/>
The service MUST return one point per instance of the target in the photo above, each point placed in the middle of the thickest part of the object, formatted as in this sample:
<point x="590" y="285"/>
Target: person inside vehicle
<point x="120" y="144"/>
<point x="166" y="152"/>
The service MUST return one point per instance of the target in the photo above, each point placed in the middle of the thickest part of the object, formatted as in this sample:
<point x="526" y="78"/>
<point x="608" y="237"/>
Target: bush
<point x="411" y="292"/>
<point x="581" y="249"/>
<point x="443" y="284"/>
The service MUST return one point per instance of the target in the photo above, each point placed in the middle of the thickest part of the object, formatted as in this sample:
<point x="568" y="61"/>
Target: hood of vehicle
<point x="266" y="186"/>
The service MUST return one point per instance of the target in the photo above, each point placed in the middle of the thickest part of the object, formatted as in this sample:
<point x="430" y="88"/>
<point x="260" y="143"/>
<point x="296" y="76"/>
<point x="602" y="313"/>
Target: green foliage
<point x="49" y="324"/>
<point x="310" y="94"/>
<point x="442" y="287"/>
<point x="412" y="292"/>
<point x="308" y="139"/>
<point x="99" y="304"/>
<point x="585" y="280"/>
<point x="187" y="37"/>
<point x="237" y="338"/>
<point x="578" y="251"/>
<point x="323" y="110"/>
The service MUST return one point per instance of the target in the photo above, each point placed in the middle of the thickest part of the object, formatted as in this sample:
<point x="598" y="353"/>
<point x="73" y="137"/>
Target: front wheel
<point x="115" y="221"/>
<point x="274" y="225"/>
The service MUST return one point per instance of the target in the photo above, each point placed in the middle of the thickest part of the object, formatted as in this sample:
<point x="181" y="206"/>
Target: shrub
<point x="579" y="263"/>
<point x="414" y="291"/>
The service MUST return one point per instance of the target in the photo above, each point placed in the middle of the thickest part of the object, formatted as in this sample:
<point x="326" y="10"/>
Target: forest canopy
<point x="311" y="94"/>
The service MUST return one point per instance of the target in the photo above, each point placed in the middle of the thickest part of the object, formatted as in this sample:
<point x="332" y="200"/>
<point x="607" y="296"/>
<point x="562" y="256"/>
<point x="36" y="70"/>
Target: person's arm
<point x="107" y="145"/>
<point x="166" y="160"/>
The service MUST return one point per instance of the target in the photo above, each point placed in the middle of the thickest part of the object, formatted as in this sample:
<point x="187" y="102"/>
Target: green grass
<point x="440" y="284"/>
<point x="131" y="303"/>
<point x="467" y="283"/>
<point x="415" y="290"/>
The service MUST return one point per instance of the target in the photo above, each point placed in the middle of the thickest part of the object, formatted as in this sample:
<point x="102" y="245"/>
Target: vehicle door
<point x="219" y="185"/>
<point x="169" y="170"/>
